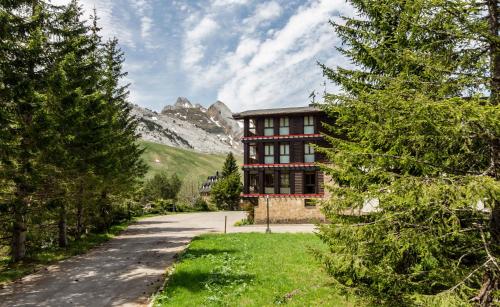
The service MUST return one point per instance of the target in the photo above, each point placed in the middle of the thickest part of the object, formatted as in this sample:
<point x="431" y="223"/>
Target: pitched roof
<point x="277" y="111"/>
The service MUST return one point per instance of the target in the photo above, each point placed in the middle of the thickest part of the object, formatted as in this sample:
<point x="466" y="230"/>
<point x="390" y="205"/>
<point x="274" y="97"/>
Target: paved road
<point x="126" y="270"/>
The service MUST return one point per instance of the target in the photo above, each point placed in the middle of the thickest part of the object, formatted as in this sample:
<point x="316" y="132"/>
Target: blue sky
<point x="247" y="53"/>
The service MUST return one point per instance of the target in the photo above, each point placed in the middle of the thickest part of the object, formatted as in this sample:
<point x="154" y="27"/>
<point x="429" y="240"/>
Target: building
<point x="206" y="187"/>
<point x="280" y="163"/>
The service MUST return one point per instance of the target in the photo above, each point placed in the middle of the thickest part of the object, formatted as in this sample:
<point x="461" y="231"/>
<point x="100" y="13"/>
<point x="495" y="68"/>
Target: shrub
<point x="162" y="187"/>
<point x="226" y="192"/>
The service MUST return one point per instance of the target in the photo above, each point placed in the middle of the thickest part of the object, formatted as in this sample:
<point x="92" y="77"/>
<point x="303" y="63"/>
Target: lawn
<point x="251" y="270"/>
<point x="185" y="163"/>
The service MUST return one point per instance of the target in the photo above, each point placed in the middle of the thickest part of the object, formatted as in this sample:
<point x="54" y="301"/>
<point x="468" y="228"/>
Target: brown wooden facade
<point x="278" y="157"/>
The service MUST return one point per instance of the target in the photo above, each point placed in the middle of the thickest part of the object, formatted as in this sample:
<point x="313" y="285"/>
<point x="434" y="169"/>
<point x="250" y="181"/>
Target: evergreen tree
<point x="225" y="193"/>
<point x="24" y="61"/>
<point x="404" y="138"/>
<point x="230" y="165"/>
<point x="79" y="108"/>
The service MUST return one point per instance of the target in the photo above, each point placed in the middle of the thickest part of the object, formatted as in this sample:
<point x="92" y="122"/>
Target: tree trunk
<point x="494" y="50"/>
<point x="63" y="238"/>
<point x="490" y="280"/>
<point x="103" y="205"/>
<point x="79" y="214"/>
<point x="19" y="231"/>
<point x="495" y="99"/>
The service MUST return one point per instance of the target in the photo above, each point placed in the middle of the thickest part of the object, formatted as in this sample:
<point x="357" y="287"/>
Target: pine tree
<point x="230" y="166"/>
<point x="121" y="164"/>
<point x="226" y="192"/>
<point x="404" y="138"/>
<point x="78" y="106"/>
<point x="24" y="61"/>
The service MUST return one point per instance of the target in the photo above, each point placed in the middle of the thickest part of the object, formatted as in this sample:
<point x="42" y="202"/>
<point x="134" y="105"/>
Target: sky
<point x="250" y="54"/>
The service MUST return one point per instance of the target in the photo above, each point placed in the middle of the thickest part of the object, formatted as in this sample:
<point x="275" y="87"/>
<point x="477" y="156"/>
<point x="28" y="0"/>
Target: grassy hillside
<point x="192" y="167"/>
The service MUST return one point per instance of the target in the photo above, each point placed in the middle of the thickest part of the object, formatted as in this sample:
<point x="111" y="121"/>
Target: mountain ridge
<point x="191" y="126"/>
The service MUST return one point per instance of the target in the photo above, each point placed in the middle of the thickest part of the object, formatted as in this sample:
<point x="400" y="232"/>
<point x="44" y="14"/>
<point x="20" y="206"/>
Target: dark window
<point x="252" y="153"/>
<point x="309" y="183"/>
<point x="308" y="124"/>
<point x="284" y="153"/>
<point x="269" y="183"/>
<point x="253" y="179"/>
<point x="284" y="126"/>
<point x="269" y="126"/>
<point x="308" y="153"/>
<point x="284" y="183"/>
<point x="269" y="154"/>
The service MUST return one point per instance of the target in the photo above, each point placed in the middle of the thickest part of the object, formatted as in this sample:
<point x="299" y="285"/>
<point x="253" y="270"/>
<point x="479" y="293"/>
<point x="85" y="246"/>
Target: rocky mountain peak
<point x="183" y="103"/>
<point x="220" y="107"/>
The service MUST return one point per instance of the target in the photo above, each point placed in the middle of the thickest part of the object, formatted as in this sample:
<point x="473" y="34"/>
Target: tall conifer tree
<point x="405" y="139"/>
<point x="24" y="62"/>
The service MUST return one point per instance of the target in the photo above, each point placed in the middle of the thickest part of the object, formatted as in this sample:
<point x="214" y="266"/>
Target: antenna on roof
<point x="312" y="96"/>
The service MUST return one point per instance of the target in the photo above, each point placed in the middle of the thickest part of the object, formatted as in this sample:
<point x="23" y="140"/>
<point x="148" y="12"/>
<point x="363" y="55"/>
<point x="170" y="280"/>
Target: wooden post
<point x="225" y="224"/>
<point x="268" y="230"/>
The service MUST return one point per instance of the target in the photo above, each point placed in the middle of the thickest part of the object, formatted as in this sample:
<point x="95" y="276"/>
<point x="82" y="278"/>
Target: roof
<point x="277" y="111"/>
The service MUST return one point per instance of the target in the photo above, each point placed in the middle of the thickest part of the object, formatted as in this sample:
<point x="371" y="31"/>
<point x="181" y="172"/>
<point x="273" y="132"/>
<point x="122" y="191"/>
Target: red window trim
<point x="257" y="137"/>
<point x="307" y="164"/>
<point x="284" y="195"/>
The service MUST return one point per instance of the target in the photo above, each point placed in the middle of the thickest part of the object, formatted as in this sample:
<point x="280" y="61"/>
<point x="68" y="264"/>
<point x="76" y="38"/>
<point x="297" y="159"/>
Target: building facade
<point x="207" y="186"/>
<point x="280" y="163"/>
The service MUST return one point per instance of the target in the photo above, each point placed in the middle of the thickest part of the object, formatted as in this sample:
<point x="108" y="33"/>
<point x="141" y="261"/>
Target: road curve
<point x="128" y="269"/>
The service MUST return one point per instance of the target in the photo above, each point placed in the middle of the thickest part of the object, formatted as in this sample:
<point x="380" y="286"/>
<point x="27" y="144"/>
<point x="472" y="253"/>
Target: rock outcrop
<point x="191" y="126"/>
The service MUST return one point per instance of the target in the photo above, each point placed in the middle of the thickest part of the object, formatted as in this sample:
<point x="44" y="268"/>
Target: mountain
<point x="188" y="126"/>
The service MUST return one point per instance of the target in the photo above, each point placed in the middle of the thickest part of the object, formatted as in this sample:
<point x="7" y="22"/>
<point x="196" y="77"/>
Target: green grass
<point x="11" y="271"/>
<point x="192" y="167"/>
<point x="251" y="270"/>
<point x="184" y="163"/>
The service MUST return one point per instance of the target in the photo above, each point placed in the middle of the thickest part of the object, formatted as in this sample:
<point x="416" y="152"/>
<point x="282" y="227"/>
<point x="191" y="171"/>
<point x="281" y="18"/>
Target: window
<point x="308" y="153"/>
<point x="253" y="180"/>
<point x="285" y="153"/>
<point x="309" y="183"/>
<point x="285" y="183"/>
<point x="269" y="183"/>
<point x="308" y="125"/>
<point x="269" y="126"/>
<point x="252" y="153"/>
<point x="269" y="154"/>
<point x="284" y="126"/>
<point x="252" y="127"/>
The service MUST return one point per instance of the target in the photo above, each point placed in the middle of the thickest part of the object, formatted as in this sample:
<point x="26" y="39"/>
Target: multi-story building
<point x="280" y="162"/>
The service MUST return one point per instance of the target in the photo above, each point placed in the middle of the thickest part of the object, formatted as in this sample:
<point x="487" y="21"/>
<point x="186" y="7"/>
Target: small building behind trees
<point x="206" y="187"/>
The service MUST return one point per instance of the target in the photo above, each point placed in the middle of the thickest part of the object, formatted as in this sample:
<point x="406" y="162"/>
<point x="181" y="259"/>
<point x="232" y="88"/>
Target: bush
<point x="162" y="187"/>
<point x="202" y="205"/>
<point x="243" y="222"/>
<point x="226" y="192"/>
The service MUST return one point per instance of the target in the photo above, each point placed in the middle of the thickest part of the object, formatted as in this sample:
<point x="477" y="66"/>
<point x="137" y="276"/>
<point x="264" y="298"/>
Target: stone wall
<point x="287" y="210"/>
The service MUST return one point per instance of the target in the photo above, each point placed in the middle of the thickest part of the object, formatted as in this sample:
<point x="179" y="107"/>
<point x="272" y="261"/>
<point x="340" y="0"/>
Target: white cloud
<point x="143" y="10"/>
<point x="146" y="25"/>
<point x="110" y="25"/>
<point x="229" y="2"/>
<point x="193" y="44"/>
<point x="264" y="12"/>
<point x="277" y="70"/>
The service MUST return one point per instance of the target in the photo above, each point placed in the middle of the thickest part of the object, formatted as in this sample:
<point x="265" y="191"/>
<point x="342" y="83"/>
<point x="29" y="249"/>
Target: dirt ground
<point x="128" y="269"/>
